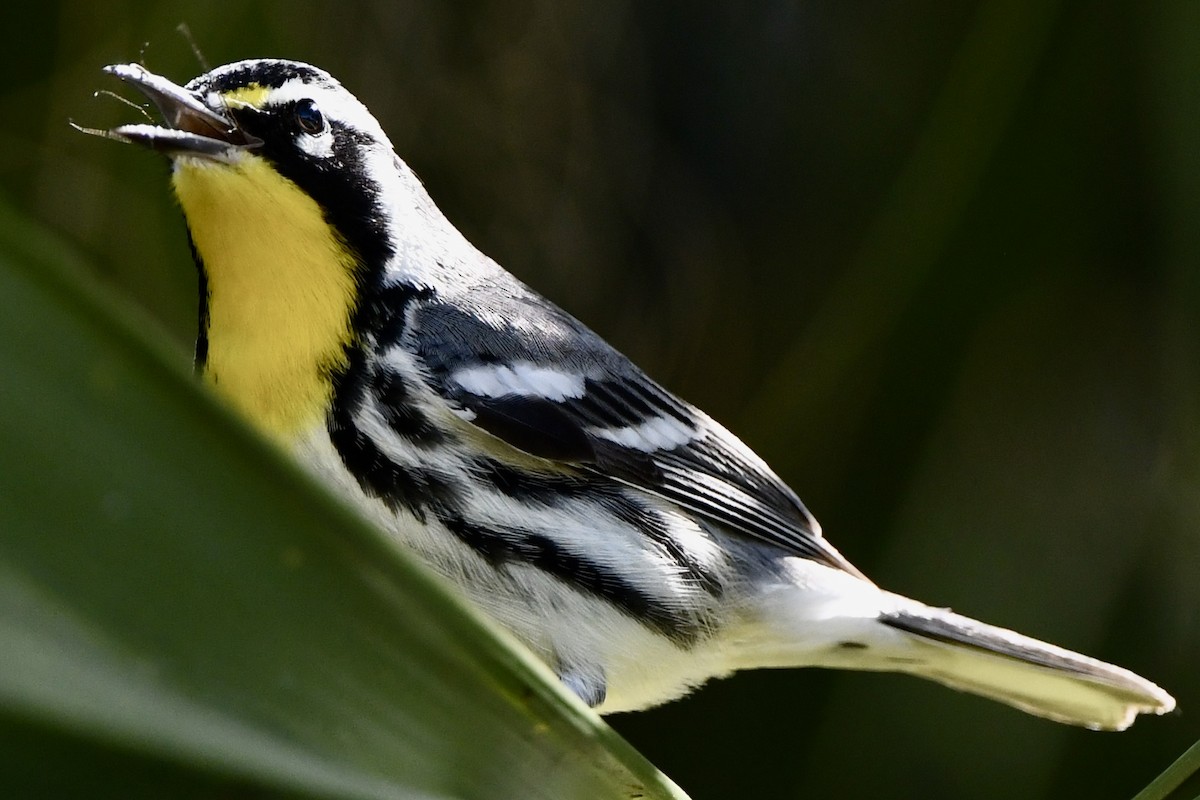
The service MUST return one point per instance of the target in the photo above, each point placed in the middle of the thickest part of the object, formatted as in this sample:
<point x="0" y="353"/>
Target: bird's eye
<point x="309" y="117"/>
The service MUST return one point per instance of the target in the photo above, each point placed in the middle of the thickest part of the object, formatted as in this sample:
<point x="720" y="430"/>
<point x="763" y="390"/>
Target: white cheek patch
<point x="319" y="146"/>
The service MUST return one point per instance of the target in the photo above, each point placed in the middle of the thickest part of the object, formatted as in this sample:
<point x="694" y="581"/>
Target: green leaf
<point x="183" y="613"/>
<point x="1180" y="780"/>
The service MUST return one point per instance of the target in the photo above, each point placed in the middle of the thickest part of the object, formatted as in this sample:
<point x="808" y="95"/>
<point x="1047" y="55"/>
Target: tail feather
<point x="1031" y="675"/>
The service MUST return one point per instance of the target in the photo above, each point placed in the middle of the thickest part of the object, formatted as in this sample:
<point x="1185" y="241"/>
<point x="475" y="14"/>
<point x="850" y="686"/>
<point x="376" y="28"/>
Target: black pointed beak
<point x="191" y="128"/>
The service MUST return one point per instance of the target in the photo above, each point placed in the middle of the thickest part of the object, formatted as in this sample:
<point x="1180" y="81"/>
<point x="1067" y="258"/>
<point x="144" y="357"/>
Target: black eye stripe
<point x="309" y="118"/>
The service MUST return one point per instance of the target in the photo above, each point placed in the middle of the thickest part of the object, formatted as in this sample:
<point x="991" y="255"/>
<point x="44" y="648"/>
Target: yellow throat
<point x="281" y="290"/>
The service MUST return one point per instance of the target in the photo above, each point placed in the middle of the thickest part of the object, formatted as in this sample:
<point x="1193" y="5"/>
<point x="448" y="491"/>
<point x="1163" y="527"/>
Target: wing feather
<point x="561" y="393"/>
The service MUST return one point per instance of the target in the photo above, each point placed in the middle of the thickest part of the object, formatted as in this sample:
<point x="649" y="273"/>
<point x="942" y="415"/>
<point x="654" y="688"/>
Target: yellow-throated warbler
<point x="632" y="542"/>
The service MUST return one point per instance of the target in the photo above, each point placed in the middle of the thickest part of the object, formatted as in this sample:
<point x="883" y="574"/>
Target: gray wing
<point x="535" y="377"/>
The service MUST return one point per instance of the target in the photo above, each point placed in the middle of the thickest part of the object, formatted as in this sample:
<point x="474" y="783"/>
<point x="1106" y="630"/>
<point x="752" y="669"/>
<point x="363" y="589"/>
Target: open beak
<point x="191" y="128"/>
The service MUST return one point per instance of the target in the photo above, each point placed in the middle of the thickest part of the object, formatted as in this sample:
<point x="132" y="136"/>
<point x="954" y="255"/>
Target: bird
<point x="625" y="537"/>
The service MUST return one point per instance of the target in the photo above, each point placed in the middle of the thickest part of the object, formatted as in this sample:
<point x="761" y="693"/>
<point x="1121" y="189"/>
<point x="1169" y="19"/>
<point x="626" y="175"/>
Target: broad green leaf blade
<point x="183" y="613"/>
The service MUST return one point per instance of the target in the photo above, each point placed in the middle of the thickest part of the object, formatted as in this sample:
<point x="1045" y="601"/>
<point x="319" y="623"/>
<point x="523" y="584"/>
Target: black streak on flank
<point x="381" y="314"/>
<point x="401" y="488"/>
<point x="507" y="545"/>
<point x="400" y="413"/>
<point x="553" y="490"/>
<point x="543" y="489"/>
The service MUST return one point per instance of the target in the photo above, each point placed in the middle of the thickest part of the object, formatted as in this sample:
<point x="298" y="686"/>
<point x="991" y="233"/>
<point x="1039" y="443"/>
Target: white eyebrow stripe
<point x="657" y="433"/>
<point x="520" y="378"/>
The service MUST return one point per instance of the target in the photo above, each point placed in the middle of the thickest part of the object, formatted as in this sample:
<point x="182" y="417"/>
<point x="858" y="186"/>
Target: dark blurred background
<point x="936" y="262"/>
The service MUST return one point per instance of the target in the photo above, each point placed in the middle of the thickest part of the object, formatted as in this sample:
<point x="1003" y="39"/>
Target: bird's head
<point x="276" y="134"/>
<point x="294" y="201"/>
